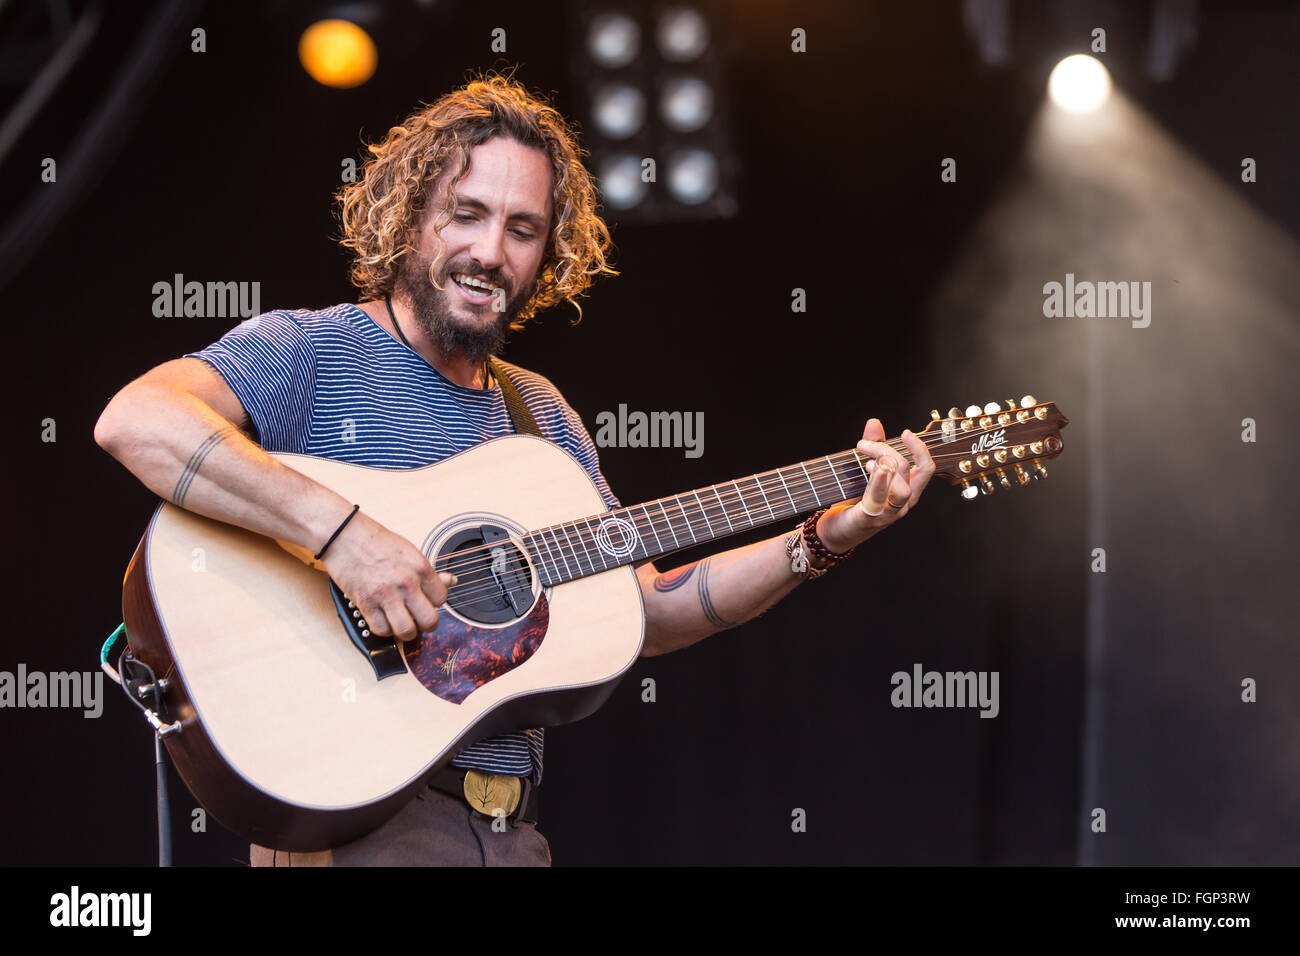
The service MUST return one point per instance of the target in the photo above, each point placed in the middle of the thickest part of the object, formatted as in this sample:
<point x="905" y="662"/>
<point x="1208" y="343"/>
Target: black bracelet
<point x="338" y="531"/>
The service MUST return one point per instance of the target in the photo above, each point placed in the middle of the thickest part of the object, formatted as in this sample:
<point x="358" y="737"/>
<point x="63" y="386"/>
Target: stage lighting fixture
<point x="337" y="53"/>
<point x="619" y="110"/>
<point x="683" y="35"/>
<point x="687" y="103"/>
<point x="693" y="176"/>
<point x="1079" y="84"/>
<point x="621" y="183"/>
<point x="613" y="40"/>
<point x="652" y="98"/>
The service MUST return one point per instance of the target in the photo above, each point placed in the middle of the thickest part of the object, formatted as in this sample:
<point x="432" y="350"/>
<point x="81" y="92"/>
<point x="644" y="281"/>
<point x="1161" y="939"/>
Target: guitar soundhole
<point x="494" y="581"/>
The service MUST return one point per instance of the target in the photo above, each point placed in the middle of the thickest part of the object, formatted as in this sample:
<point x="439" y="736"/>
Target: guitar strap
<point x="522" y="418"/>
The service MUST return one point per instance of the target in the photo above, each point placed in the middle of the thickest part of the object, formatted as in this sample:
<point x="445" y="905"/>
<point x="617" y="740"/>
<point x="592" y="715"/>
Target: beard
<point x="442" y="313"/>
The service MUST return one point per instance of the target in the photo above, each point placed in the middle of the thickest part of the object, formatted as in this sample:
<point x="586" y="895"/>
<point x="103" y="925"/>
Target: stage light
<point x="618" y="109"/>
<point x="621" y="183"/>
<point x="683" y="35"/>
<point x="613" y="40"/>
<point x="687" y="104"/>
<point x="652" y="91"/>
<point x="337" y="53"/>
<point x="693" y="176"/>
<point x="1079" y="84"/>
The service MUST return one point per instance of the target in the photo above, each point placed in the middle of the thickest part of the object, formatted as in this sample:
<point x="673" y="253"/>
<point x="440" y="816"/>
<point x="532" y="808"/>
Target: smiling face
<point x="491" y="250"/>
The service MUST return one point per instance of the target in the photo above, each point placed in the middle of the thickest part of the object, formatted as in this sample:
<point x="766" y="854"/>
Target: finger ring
<point x="897" y="507"/>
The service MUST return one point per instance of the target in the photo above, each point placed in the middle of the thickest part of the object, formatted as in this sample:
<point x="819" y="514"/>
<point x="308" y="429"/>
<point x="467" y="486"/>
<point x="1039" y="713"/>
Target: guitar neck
<point x="651" y="529"/>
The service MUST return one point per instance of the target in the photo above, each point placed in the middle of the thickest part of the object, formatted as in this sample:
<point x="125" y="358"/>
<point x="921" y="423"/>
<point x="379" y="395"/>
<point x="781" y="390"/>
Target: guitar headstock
<point x="1000" y="444"/>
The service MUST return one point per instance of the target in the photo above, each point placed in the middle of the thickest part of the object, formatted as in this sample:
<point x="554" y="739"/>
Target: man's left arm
<point x="690" y="603"/>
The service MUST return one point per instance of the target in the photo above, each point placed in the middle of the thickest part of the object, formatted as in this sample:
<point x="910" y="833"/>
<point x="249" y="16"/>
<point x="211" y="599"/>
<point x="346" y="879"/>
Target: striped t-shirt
<point x="333" y="383"/>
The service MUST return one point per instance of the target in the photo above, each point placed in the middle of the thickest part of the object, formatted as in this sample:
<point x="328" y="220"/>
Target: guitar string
<point x="542" y="555"/>
<point x="728" y="497"/>
<point x="819" y="465"/>
<point x="543" y="560"/>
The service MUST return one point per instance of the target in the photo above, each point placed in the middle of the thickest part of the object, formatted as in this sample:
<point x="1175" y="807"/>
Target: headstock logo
<point x="989" y="440"/>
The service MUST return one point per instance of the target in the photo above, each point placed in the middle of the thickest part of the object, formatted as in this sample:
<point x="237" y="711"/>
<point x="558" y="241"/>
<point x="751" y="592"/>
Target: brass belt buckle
<point x="489" y="792"/>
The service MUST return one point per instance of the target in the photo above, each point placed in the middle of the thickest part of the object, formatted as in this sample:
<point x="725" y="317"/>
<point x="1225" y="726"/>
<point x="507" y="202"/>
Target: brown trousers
<point x="434" y="829"/>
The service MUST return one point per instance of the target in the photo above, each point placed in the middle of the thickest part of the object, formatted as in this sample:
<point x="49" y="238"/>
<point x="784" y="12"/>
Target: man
<point x="470" y="217"/>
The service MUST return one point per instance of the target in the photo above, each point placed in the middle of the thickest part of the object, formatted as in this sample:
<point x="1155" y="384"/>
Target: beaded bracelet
<point x="830" y="558"/>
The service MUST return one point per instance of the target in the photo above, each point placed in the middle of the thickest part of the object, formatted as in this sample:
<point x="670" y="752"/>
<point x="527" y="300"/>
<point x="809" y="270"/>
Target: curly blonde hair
<point x="381" y="212"/>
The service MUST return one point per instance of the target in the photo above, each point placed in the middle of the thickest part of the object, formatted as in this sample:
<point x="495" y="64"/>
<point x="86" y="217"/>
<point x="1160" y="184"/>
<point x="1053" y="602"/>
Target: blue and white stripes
<point x="333" y="383"/>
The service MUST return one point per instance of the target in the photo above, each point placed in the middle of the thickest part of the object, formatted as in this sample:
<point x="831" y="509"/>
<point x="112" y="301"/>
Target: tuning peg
<point x="1028" y="401"/>
<point x="1011" y="405"/>
<point x="934" y="414"/>
<point x="992" y="408"/>
<point x="954" y="412"/>
<point x="969" y="491"/>
<point x="1039" y="470"/>
<point x="973" y="410"/>
<point x="1022" y="476"/>
<point x="1003" y="480"/>
<point x="986" y="484"/>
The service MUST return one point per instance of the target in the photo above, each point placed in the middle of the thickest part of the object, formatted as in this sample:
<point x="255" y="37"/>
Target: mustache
<point x="473" y="268"/>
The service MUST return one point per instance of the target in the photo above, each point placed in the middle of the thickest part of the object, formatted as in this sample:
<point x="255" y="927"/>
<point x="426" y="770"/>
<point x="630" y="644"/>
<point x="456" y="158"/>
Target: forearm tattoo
<point x="196" y="461"/>
<point x="672" y="580"/>
<point x="706" y="599"/>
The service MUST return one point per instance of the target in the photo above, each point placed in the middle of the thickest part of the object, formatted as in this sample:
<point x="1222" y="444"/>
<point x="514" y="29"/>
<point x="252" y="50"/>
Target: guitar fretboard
<point x="648" y="530"/>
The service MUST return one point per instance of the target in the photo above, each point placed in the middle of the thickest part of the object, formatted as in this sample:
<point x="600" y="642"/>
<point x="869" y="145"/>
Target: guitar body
<point x="301" y="730"/>
<point x="289" y="738"/>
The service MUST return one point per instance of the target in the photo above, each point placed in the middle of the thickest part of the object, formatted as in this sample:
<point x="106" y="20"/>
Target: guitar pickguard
<point x="457" y="657"/>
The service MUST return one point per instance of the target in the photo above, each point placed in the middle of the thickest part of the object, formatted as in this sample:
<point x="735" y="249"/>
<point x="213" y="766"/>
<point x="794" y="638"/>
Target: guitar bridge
<point x="382" y="652"/>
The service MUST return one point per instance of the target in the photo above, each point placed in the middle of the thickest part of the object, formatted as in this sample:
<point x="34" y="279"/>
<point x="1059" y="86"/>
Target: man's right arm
<point x="181" y="430"/>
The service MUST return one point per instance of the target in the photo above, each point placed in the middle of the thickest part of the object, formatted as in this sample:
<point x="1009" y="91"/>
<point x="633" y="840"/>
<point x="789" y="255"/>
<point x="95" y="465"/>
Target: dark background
<point x="1119" y="691"/>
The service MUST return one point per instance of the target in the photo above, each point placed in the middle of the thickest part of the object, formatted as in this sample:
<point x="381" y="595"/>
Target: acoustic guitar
<point x="299" y="729"/>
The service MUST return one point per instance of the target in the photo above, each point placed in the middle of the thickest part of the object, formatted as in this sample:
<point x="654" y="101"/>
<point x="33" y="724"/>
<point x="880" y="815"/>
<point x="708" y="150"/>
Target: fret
<point x="554" y="572"/>
<point x="640" y="537"/>
<point x="836" y="477"/>
<point x="730" y="526"/>
<point x="670" y="522"/>
<point x="707" y="524"/>
<point x="752" y="522"/>
<point x="678" y="499"/>
<point x="816" y="497"/>
<point x="758" y="481"/>
<point x="796" y="508"/>
<point x="866" y="477"/>
<point x="653" y="529"/>
<point x="575" y="550"/>
<point x="562" y="557"/>
<point x="595" y="540"/>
